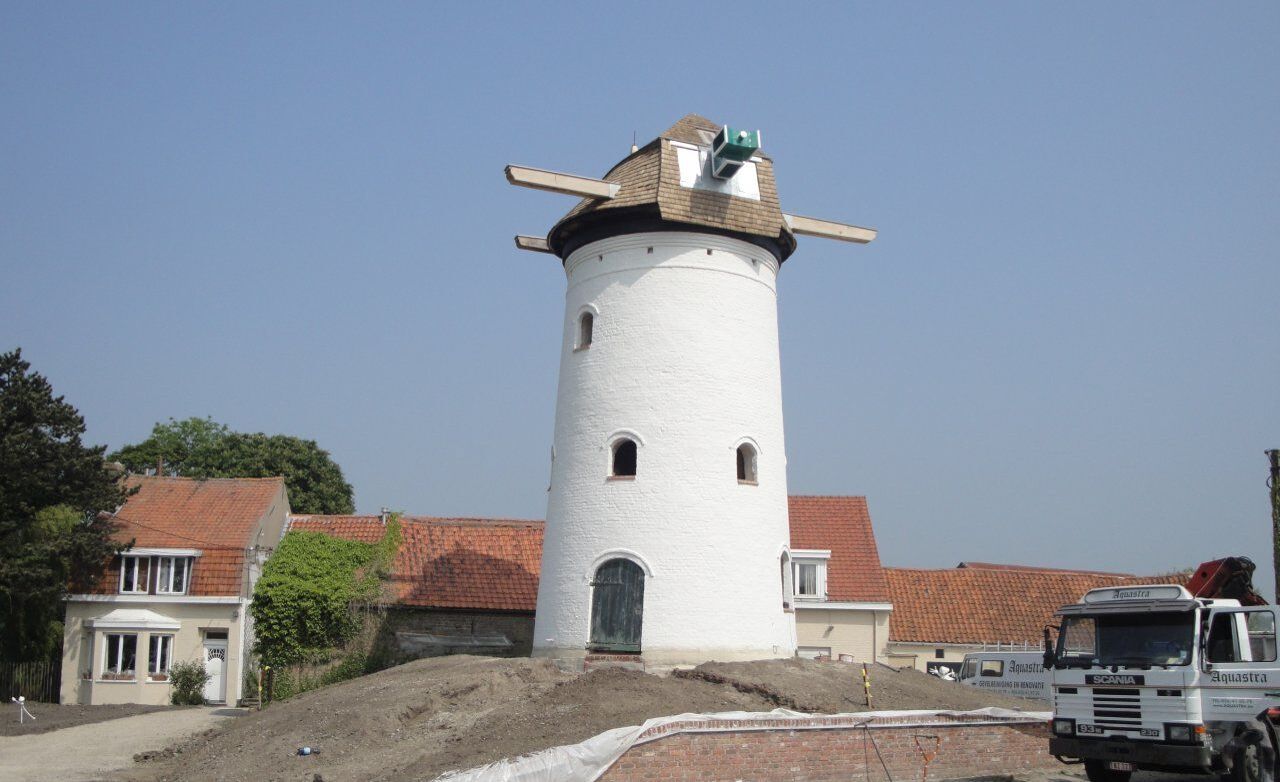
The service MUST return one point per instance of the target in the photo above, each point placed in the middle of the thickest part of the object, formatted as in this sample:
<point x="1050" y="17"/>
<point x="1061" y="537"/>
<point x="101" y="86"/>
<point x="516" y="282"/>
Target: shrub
<point x="305" y="606"/>
<point x="188" y="679"/>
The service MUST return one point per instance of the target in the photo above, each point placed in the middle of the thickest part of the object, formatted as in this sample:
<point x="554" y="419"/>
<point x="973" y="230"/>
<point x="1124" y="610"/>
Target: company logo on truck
<point x="1114" y="678"/>
<point x="1238" y="677"/>
<point x="1130" y="594"/>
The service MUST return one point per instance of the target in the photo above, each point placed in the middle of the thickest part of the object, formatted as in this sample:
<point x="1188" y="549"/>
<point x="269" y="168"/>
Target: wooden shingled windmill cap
<point x="695" y="176"/>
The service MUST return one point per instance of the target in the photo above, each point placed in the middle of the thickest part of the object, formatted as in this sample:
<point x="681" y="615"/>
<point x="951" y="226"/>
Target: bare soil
<point x="418" y="720"/>
<point x="53" y="716"/>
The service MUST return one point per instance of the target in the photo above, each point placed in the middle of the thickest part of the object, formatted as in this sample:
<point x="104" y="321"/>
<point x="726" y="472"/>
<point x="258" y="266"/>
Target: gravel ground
<point x="415" y="721"/>
<point x="94" y="750"/>
<point x="53" y="716"/>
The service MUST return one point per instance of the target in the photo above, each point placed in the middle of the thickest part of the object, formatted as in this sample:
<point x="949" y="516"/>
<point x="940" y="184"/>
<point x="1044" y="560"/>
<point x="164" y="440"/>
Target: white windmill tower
<point x="666" y="532"/>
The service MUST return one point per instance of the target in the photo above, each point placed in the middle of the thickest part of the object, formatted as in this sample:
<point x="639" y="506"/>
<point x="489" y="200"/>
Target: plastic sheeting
<point x="585" y="762"/>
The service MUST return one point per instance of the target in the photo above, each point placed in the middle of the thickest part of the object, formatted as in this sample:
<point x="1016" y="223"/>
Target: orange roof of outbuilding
<point x="981" y="605"/>
<point x="485" y="564"/>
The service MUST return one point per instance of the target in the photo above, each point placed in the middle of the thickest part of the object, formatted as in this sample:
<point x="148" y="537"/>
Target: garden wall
<point x="840" y="748"/>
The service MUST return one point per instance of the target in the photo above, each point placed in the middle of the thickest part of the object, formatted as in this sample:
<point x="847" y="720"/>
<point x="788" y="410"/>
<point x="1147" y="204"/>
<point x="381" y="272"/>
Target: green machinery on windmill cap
<point x="730" y="149"/>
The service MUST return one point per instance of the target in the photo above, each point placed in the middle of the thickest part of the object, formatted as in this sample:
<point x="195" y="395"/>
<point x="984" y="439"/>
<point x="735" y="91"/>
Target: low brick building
<point x="940" y="615"/>
<point x="457" y="584"/>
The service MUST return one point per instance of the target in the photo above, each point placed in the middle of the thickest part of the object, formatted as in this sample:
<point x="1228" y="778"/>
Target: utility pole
<point x="1273" y="483"/>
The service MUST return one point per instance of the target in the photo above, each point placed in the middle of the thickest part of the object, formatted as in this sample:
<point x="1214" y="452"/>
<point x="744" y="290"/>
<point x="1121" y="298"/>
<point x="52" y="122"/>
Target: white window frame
<point x="166" y="587"/>
<point x="816" y="560"/>
<point x="139" y="582"/>
<point x="119" y="646"/>
<point x="159" y="655"/>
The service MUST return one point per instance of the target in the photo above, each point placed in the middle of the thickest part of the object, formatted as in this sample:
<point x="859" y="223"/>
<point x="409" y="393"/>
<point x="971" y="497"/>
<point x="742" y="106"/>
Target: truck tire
<point x="1097" y="771"/>
<point x="1247" y="766"/>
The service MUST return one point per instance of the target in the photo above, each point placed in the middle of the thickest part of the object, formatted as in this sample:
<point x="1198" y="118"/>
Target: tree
<point x="203" y="448"/>
<point x="54" y="494"/>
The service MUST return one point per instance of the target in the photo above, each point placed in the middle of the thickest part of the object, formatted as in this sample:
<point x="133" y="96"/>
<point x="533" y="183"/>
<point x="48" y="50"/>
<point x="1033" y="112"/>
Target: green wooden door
<point x="617" y="606"/>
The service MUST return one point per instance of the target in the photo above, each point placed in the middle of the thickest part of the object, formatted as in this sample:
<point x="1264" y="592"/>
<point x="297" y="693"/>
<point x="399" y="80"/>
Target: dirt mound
<point x="418" y="720"/>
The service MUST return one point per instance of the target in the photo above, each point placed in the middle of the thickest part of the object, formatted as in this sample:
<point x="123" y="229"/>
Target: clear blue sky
<point x="1064" y="348"/>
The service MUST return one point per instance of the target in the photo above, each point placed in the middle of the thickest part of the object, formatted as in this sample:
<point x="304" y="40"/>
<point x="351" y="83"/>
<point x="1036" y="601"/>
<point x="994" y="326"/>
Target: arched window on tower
<point x="624" y="459"/>
<point x="746" y="464"/>
<point x="586" y="323"/>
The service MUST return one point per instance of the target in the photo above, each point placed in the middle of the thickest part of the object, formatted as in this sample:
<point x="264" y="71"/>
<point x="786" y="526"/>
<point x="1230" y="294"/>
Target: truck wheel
<point x="1248" y="764"/>
<point x="1097" y="771"/>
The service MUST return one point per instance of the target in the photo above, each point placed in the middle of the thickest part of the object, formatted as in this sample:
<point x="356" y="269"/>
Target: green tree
<point x="175" y="448"/>
<point x="203" y="448"/>
<point x="54" y="491"/>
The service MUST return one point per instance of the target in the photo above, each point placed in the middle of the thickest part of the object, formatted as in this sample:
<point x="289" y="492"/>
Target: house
<point x="470" y="585"/>
<point x="456" y="584"/>
<point x="842" y="600"/>
<point x="940" y="615"/>
<point x="180" y="592"/>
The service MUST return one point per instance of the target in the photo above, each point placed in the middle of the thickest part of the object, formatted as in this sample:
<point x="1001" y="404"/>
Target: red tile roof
<point x="218" y="516"/>
<point x="994" y="566"/>
<point x="486" y="564"/>
<point x="978" y="605"/>
<point x="841" y="525"/>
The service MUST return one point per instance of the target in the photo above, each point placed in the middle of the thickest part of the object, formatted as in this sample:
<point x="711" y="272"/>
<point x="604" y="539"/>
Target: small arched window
<point x="624" y="459"/>
<point x="585" y="325"/>
<point x="746" y="464"/>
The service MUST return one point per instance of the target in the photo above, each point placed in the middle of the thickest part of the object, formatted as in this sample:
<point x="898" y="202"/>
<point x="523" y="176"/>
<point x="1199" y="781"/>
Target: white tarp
<point x="585" y="762"/>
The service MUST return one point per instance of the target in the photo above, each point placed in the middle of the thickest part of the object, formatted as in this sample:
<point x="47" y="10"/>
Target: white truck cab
<point x="1153" y="678"/>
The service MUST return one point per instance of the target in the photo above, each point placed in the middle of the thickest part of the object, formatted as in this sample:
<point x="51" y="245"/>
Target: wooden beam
<point x="535" y="244"/>
<point x="829" y="229"/>
<point x="554" y="181"/>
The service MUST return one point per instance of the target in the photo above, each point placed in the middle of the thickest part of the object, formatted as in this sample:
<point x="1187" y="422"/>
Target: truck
<point x="1020" y="674"/>
<point x="1168" y="677"/>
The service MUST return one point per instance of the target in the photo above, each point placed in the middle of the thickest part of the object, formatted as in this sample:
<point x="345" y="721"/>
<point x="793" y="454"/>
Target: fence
<point x="37" y="680"/>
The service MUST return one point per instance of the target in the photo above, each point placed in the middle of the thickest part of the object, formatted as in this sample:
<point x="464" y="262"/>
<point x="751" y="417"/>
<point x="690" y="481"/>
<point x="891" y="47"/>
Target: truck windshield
<point x="1126" y="639"/>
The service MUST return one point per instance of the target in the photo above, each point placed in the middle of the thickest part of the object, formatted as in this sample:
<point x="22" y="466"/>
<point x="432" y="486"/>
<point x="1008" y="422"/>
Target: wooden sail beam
<point x="829" y="229"/>
<point x="556" y="182"/>
<point x="537" y="244"/>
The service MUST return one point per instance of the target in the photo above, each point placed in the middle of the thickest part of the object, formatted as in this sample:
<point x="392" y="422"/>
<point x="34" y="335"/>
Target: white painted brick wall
<point x="685" y="356"/>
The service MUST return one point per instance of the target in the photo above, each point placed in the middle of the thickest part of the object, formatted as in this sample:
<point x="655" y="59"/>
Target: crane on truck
<point x="1167" y="677"/>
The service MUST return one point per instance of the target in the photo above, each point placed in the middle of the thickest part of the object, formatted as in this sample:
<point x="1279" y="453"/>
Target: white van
<point x="1020" y="674"/>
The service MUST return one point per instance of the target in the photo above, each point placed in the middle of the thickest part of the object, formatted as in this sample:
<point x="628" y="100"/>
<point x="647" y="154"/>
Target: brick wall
<point x="517" y="627"/>
<point x="819" y="752"/>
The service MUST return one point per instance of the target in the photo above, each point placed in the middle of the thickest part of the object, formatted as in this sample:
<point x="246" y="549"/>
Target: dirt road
<point x="89" y="752"/>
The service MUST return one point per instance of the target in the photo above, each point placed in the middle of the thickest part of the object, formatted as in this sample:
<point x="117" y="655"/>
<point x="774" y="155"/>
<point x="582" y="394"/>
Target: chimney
<point x="383" y="515"/>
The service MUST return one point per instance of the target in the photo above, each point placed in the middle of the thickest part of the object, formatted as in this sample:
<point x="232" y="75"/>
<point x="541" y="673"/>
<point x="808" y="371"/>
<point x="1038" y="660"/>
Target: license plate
<point x="1120" y="765"/>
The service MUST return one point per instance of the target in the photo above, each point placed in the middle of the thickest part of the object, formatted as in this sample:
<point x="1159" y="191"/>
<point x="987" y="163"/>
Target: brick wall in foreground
<point x="821" y="751"/>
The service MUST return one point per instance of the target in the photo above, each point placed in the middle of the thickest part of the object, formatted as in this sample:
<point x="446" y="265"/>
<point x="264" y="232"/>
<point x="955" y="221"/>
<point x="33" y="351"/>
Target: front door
<point x="215" y="664"/>
<point x="617" y="607"/>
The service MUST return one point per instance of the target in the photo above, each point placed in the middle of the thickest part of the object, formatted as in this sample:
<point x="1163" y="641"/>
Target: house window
<point x="624" y="459"/>
<point x="133" y="574"/>
<point x="171" y="575"/>
<point x="938" y="654"/>
<point x="121" y="653"/>
<point x="809" y="574"/>
<point x="806" y="579"/>
<point x="746" y="464"/>
<point x="586" y="323"/>
<point x="160" y="656"/>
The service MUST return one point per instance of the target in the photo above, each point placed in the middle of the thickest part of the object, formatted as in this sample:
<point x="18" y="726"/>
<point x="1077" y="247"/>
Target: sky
<point x="1063" y="349"/>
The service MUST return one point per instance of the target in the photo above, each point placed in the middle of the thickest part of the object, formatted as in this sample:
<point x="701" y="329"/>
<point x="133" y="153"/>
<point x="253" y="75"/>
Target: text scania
<point x="1238" y="677"/>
